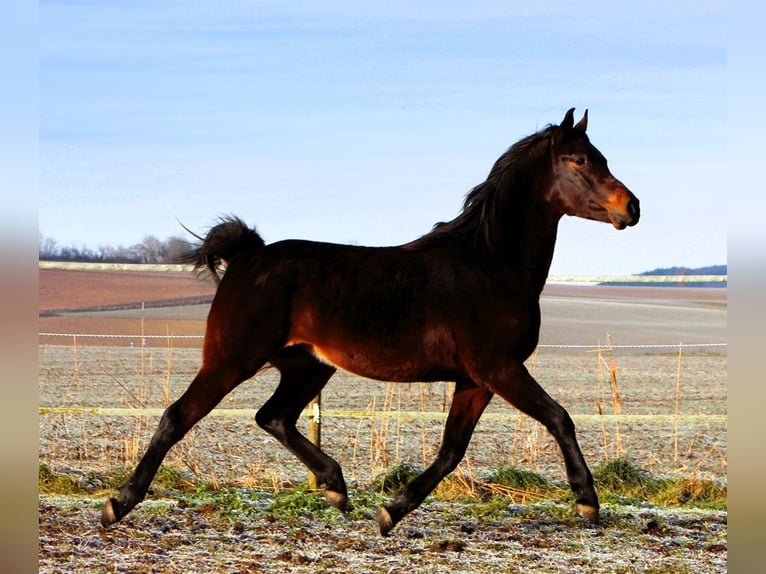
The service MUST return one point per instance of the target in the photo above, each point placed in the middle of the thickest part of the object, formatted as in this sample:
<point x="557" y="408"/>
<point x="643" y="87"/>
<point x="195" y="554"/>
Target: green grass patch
<point x="170" y="479"/>
<point x="493" y="508"/>
<point x="230" y="503"/>
<point x="298" y="502"/>
<point x="71" y="483"/>
<point x="506" y="489"/>
<point x="293" y="504"/>
<point x="518" y="478"/>
<point x="620" y="481"/>
<point x="50" y="482"/>
<point x="395" y="478"/>
<point x="363" y="504"/>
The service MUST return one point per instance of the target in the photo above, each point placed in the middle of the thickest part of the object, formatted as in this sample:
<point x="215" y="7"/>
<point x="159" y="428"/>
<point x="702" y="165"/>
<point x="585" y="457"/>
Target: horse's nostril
<point x="634" y="208"/>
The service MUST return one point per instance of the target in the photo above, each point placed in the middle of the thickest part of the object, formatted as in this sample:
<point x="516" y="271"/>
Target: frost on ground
<point x="168" y="537"/>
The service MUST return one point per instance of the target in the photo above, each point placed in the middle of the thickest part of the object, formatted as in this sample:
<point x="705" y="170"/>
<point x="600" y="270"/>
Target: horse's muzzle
<point x="624" y="209"/>
<point x="634" y="210"/>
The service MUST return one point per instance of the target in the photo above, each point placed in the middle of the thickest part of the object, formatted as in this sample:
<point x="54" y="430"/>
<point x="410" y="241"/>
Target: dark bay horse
<point x="459" y="304"/>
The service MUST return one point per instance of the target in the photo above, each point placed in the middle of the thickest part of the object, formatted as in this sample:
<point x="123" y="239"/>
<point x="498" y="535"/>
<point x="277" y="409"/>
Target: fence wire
<point x="541" y="346"/>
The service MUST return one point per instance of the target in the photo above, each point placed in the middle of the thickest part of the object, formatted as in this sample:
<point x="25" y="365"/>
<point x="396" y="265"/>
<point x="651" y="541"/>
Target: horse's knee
<point x="269" y="423"/>
<point x="560" y="424"/>
<point x="170" y="428"/>
<point x="448" y="461"/>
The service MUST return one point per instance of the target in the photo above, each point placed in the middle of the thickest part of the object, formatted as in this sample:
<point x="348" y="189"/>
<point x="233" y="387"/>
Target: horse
<point x="460" y="303"/>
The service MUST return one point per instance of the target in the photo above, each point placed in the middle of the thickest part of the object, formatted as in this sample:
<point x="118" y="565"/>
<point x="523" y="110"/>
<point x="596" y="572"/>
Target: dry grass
<point x="607" y="362"/>
<point x="389" y="430"/>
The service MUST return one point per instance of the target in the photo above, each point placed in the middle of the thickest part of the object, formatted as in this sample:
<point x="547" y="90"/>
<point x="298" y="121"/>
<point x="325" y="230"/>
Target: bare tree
<point x="151" y="249"/>
<point x="47" y="247"/>
<point x="176" y="246"/>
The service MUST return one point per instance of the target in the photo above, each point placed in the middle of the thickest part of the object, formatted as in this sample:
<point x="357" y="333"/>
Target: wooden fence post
<point x="315" y="431"/>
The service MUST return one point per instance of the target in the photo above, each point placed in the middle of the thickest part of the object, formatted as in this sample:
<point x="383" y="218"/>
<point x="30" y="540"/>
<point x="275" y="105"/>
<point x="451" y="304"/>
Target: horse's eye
<point x="581" y="160"/>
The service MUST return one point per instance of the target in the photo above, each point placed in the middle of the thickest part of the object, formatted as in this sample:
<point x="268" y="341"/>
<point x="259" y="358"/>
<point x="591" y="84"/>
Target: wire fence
<point x="315" y="414"/>
<point x="101" y="403"/>
<point x="74" y="336"/>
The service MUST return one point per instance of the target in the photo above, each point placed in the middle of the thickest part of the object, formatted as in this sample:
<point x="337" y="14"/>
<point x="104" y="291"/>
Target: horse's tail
<point x="222" y="243"/>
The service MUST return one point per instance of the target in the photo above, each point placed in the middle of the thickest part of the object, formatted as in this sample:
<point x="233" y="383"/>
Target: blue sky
<point x="368" y="122"/>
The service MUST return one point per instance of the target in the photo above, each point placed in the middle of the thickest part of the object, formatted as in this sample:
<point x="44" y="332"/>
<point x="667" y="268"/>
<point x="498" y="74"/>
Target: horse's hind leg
<point x="468" y="403"/>
<point x="205" y="392"/>
<point x="302" y="378"/>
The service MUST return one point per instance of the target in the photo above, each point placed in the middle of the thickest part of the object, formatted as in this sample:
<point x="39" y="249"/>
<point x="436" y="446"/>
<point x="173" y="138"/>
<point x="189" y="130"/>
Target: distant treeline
<point x="709" y="270"/>
<point x="150" y="250"/>
<point x="154" y="250"/>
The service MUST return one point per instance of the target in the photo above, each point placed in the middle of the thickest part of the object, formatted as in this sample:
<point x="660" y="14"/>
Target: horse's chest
<point x="515" y="327"/>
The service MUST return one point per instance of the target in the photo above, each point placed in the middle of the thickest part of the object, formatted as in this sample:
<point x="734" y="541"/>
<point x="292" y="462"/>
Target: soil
<point x="70" y="290"/>
<point x="171" y="538"/>
<point x="89" y="302"/>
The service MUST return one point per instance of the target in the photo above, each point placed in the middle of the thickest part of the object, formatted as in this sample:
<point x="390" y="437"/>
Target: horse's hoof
<point x="108" y="515"/>
<point x="385" y="522"/>
<point x="336" y="500"/>
<point x="588" y="512"/>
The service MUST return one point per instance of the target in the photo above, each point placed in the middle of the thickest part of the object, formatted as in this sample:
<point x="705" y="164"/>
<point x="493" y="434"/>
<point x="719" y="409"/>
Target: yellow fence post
<point x="315" y="432"/>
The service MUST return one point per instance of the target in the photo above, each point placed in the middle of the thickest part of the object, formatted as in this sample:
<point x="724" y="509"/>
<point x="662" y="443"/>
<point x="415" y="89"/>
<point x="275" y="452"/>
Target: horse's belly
<point x="381" y="363"/>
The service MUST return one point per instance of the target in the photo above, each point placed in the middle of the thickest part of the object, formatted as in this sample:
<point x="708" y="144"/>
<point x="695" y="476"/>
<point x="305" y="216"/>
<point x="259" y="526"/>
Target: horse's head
<point x="583" y="185"/>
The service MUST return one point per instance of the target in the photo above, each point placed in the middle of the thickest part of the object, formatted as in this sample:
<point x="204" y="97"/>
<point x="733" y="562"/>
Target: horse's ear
<point x="568" y="120"/>
<point x="582" y="125"/>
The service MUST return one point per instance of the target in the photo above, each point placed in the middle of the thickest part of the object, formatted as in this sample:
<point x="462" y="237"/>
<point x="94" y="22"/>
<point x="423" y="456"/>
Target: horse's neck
<point x="526" y="243"/>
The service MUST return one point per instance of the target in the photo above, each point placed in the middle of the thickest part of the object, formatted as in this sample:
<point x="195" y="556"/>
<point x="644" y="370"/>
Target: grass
<point x="518" y="478"/>
<point x="395" y="478"/>
<point x="168" y="480"/>
<point x="618" y="482"/>
<point x="50" y="482"/>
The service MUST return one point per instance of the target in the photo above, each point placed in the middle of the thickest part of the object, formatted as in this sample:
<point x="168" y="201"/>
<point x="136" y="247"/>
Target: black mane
<point x="479" y="214"/>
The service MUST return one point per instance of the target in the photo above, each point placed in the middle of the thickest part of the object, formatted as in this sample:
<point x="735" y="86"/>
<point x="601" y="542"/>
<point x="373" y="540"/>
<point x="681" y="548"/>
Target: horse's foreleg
<point x="520" y="389"/>
<point x="302" y="378"/>
<point x="468" y="403"/>
<point x="205" y="392"/>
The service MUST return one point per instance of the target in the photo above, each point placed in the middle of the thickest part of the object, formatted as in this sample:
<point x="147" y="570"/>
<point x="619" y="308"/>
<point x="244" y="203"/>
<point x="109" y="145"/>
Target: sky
<point x="368" y="122"/>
